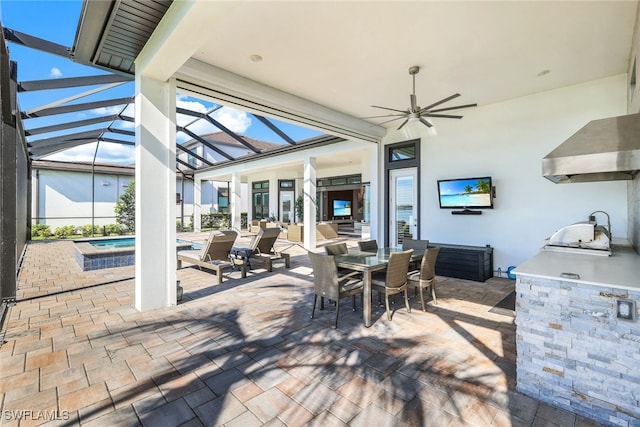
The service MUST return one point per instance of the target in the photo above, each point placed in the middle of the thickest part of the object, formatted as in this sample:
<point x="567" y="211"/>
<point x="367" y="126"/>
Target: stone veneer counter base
<point x="572" y="350"/>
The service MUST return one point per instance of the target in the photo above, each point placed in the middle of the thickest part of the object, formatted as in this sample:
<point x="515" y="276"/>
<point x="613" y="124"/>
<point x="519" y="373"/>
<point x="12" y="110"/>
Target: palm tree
<point x="468" y="189"/>
<point x="483" y="186"/>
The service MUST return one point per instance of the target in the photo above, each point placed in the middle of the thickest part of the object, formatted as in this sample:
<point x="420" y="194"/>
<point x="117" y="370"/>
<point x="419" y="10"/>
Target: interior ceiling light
<point x="255" y="58"/>
<point x="416" y="113"/>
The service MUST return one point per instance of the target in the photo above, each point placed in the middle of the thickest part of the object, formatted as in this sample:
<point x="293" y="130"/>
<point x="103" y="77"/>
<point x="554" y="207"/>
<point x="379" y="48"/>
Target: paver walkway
<point x="245" y="353"/>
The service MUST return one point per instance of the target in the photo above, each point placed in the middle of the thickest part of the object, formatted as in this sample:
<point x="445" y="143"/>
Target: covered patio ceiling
<point x="332" y="58"/>
<point x="349" y="56"/>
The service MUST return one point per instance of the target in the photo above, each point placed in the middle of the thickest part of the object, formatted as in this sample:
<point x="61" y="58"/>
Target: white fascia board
<point x="295" y="156"/>
<point x="221" y="85"/>
<point x="178" y="36"/>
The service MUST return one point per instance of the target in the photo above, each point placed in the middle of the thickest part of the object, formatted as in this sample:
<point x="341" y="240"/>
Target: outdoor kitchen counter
<point x="576" y="346"/>
<point x="620" y="270"/>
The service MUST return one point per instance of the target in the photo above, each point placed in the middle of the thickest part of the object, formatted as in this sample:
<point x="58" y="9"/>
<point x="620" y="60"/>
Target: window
<point x="260" y="199"/>
<point x="402" y="152"/>
<point x="223" y="200"/>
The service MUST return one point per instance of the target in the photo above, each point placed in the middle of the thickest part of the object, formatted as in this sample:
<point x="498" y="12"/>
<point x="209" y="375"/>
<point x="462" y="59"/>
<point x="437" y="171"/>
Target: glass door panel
<point x="403" y="205"/>
<point x="286" y="206"/>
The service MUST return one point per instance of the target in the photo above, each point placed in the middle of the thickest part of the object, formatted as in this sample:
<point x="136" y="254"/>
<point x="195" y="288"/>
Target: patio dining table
<point x="368" y="262"/>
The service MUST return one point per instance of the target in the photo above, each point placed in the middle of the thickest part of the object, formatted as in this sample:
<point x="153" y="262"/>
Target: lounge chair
<point x="215" y="254"/>
<point x="261" y="248"/>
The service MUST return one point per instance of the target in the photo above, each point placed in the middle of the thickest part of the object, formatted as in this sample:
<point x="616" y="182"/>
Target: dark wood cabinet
<point x="464" y="262"/>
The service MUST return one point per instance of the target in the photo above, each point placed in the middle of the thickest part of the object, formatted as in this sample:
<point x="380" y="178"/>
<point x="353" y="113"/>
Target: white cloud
<point x="107" y="153"/>
<point x="105" y="111"/>
<point x="236" y="120"/>
<point x="55" y="72"/>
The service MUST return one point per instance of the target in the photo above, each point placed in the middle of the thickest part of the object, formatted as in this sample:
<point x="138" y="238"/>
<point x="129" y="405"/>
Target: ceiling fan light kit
<point x="415" y="113"/>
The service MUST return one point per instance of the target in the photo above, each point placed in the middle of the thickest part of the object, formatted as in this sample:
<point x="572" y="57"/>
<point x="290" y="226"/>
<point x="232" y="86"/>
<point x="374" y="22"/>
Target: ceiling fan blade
<point x="403" y="123"/>
<point x="414" y="102"/>
<point x="453" y="108"/>
<point x="442" y="101"/>
<point x="425" y="122"/>
<point x="388" y="121"/>
<point x="385" y="115"/>
<point x="390" y="109"/>
<point x="444" y="116"/>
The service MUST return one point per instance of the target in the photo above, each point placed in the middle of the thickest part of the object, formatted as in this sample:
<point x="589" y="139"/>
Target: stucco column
<point x="235" y="202"/>
<point x="155" y="258"/>
<point x="310" y="207"/>
<point x="197" y="205"/>
<point x="375" y="191"/>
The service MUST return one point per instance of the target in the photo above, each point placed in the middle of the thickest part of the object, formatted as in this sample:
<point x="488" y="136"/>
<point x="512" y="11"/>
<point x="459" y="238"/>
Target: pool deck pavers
<point x="75" y="351"/>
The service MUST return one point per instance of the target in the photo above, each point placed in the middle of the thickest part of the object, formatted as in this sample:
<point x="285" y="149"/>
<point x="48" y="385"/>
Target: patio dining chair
<point x="262" y="248"/>
<point x="336" y="249"/>
<point x="415" y="244"/>
<point x="426" y="276"/>
<point x="394" y="280"/>
<point x="368" y="245"/>
<point x="327" y="283"/>
<point x="214" y="254"/>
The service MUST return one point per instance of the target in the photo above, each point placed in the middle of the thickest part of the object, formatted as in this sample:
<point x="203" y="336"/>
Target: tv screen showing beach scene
<point x="342" y="208"/>
<point x="465" y="193"/>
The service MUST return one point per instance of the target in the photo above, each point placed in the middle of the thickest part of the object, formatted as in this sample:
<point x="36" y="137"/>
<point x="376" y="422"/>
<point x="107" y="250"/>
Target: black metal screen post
<point x="8" y="216"/>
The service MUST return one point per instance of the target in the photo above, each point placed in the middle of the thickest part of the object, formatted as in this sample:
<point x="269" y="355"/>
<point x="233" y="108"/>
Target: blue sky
<point x="457" y="186"/>
<point x="57" y="21"/>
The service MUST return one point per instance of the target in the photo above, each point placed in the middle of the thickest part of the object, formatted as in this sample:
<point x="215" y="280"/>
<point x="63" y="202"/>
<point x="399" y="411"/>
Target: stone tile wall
<point x="574" y="353"/>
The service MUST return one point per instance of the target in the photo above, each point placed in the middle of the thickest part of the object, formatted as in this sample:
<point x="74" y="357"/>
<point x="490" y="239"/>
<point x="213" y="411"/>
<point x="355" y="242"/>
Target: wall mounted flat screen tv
<point x="466" y="193"/>
<point x="342" y="207"/>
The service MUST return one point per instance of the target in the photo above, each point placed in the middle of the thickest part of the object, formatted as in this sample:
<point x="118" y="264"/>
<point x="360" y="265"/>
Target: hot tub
<point x="112" y="252"/>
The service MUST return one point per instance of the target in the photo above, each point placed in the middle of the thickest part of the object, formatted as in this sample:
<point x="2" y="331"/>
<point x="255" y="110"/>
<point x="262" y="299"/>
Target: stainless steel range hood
<point x="603" y="150"/>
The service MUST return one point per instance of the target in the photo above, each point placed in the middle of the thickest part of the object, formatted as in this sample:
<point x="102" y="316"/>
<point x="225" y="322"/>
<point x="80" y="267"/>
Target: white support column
<point x="310" y="206"/>
<point x="155" y="259"/>
<point x="197" y="205"/>
<point x="378" y="199"/>
<point x="235" y="202"/>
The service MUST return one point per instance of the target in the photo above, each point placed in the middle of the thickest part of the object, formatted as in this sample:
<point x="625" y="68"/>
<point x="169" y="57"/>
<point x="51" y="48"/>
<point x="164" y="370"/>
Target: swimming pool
<point x="111" y="252"/>
<point x="126" y="242"/>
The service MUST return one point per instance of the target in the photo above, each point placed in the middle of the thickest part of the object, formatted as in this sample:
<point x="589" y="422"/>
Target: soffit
<point x="348" y="56"/>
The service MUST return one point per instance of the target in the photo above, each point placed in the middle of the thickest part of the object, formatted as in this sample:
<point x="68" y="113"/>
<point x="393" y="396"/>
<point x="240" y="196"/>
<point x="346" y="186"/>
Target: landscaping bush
<point x="126" y="208"/>
<point x="40" y="230"/>
<point x="216" y="221"/>
<point x="85" y="230"/>
<point x="113" y="229"/>
<point x="64" y="231"/>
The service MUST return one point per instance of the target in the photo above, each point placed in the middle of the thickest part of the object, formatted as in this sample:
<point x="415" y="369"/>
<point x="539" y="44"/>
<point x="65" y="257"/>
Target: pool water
<point x="127" y="242"/>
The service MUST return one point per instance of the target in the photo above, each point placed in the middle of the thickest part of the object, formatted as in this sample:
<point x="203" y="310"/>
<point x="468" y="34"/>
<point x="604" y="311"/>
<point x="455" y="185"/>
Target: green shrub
<point x="64" y="231"/>
<point x="126" y="208"/>
<point x="216" y="221"/>
<point x="244" y="220"/>
<point x="40" y="230"/>
<point x="113" y="229"/>
<point x="86" y="230"/>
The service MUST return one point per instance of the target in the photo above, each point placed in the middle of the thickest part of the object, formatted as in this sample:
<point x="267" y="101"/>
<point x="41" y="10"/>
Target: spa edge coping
<point x="86" y="249"/>
<point x="621" y="270"/>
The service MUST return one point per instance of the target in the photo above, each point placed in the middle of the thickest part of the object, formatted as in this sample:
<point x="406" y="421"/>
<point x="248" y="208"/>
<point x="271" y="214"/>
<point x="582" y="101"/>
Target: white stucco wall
<point x="507" y="141"/>
<point x="64" y="198"/>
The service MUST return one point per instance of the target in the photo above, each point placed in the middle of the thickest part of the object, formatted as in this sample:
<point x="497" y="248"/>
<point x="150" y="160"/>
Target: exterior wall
<point x="507" y="141"/>
<point x="65" y="198"/>
<point x="634" y="213"/>
<point x="633" y="100"/>
<point x="574" y="353"/>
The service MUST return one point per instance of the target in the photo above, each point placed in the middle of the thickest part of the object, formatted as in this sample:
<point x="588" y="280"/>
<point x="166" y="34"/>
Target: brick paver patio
<point x="246" y="353"/>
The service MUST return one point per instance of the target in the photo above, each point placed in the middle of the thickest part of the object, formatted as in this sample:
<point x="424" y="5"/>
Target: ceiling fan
<point x="416" y="112"/>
